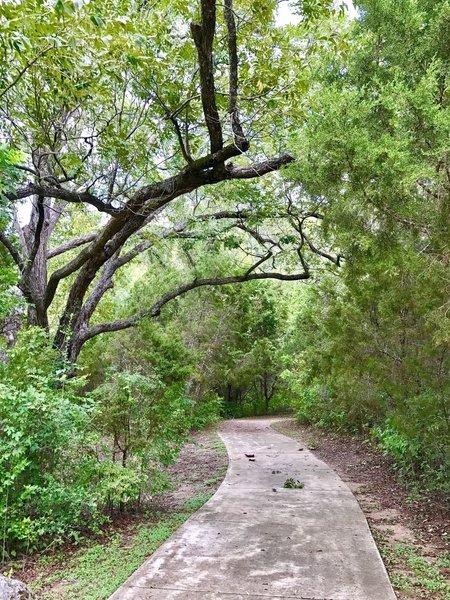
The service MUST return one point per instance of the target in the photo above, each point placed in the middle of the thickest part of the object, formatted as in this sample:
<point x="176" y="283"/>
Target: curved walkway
<point x="256" y="539"/>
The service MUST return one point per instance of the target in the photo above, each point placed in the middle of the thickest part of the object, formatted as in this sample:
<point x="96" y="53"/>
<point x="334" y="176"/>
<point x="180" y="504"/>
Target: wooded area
<point x="207" y="213"/>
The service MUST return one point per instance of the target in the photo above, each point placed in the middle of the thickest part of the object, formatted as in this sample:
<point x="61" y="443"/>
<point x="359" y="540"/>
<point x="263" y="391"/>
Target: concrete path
<point x="256" y="540"/>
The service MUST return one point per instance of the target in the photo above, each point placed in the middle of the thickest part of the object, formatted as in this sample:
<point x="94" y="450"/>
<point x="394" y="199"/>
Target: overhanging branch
<point x="14" y="253"/>
<point x="259" y="169"/>
<point x="155" y="310"/>
<point x="60" y="193"/>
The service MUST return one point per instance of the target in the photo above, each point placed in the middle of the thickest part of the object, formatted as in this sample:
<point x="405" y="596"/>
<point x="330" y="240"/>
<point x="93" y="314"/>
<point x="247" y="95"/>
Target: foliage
<point x="147" y="422"/>
<point x="95" y="569"/>
<point x="293" y="484"/>
<point x="9" y="176"/>
<point x="95" y="99"/>
<point x="8" y="276"/>
<point x="67" y="460"/>
<point x="46" y="448"/>
<point x="220" y="350"/>
<point x="352" y="371"/>
<point x="95" y="572"/>
<point x="374" y="159"/>
<point x="107" y="107"/>
<point x="242" y="360"/>
<point x="206" y="412"/>
<point x="410" y="569"/>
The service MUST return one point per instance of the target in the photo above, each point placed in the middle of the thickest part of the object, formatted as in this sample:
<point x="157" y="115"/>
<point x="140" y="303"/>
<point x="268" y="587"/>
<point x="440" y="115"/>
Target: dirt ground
<point x="200" y="468"/>
<point x="412" y="533"/>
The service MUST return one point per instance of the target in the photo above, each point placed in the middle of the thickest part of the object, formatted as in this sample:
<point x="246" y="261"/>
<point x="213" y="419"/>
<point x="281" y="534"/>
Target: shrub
<point x="420" y="454"/>
<point x="46" y="446"/>
<point x="144" y="423"/>
<point x="66" y="460"/>
<point x="206" y="412"/>
<point x="315" y="407"/>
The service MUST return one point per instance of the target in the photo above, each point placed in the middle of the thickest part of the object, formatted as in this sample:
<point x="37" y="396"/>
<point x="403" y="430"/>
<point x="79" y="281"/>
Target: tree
<point x="111" y="108"/>
<point x="374" y="343"/>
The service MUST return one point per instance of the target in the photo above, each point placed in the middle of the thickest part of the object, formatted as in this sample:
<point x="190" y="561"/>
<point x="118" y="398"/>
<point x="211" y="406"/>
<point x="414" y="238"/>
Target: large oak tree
<point x="123" y="110"/>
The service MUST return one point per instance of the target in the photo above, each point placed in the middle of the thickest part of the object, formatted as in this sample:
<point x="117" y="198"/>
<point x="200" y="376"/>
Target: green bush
<point x="206" y="412"/>
<point x="67" y="460"/>
<point x="314" y="406"/>
<point x="46" y="447"/>
<point x="420" y="454"/>
<point x="144" y="422"/>
<point x="404" y="450"/>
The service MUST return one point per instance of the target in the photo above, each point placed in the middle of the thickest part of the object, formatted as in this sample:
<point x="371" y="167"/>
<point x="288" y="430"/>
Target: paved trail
<point x="256" y="540"/>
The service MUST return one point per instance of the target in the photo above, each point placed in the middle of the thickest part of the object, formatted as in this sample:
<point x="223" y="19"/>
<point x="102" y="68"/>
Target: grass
<point x="214" y="480"/>
<point x="218" y="446"/>
<point x="410" y="571"/>
<point x="193" y="504"/>
<point x="94" y="572"/>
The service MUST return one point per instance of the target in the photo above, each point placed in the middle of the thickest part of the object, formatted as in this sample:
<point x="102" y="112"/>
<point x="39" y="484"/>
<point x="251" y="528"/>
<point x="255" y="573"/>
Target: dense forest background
<point x="145" y="291"/>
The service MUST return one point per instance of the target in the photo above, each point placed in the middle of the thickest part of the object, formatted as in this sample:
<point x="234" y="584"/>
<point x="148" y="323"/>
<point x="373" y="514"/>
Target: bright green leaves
<point x="97" y="20"/>
<point x="44" y="436"/>
<point x="98" y="82"/>
<point x="375" y="136"/>
<point x="65" y="7"/>
<point x="59" y="451"/>
<point x="313" y="9"/>
<point x="9" y="176"/>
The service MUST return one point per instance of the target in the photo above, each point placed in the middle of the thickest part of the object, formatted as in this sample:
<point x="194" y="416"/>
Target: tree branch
<point x="336" y="260"/>
<point x="183" y="146"/>
<point x="24" y="70"/>
<point x="53" y="191"/>
<point x="71" y="244"/>
<point x="155" y="310"/>
<point x="198" y="173"/>
<point x="262" y="260"/>
<point x="203" y="36"/>
<point x="259" y="169"/>
<point x="36" y="238"/>
<point x="239" y="138"/>
<point x="96" y="248"/>
<point x="26" y="169"/>
<point x="116" y="262"/>
<point x="15" y="255"/>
